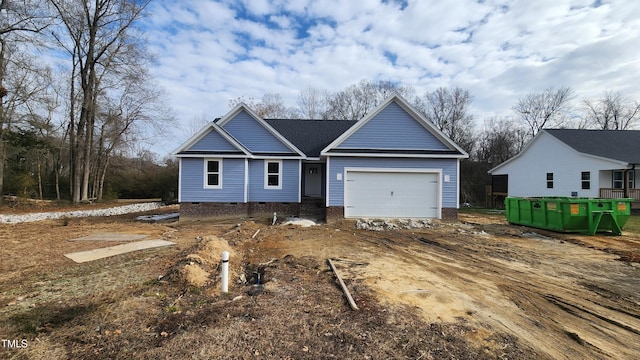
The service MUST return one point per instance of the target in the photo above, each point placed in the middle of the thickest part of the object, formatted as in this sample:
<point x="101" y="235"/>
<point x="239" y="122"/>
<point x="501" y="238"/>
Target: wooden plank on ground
<point x="352" y="303"/>
<point x="91" y="255"/>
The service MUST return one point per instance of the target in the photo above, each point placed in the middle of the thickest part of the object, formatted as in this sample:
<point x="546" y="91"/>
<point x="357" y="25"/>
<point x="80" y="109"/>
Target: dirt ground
<point x="477" y="288"/>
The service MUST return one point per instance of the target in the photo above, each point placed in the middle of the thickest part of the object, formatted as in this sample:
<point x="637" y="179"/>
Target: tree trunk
<point x="2" y="115"/>
<point x="86" y="173"/>
<point x="57" y="173"/>
<point x="102" y="177"/>
<point x="89" y="131"/>
<point x="2" y="152"/>
<point x="74" y="157"/>
<point x="39" y="178"/>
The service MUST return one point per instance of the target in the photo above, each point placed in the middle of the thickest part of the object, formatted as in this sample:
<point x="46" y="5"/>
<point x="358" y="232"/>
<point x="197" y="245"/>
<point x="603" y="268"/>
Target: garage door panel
<point x="391" y="194"/>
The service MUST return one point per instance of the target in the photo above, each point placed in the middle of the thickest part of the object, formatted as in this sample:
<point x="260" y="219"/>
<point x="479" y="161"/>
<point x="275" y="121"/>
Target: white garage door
<point x="391" y="194"/>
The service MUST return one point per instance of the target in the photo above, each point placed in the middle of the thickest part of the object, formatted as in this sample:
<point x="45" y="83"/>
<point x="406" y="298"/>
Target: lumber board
<point x="346" y="292"/>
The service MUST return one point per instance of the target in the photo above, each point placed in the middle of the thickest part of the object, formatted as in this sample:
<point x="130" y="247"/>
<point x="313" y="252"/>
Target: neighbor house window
<point x="213" y="173"/>
<point x="273" y="174"/>
<point x="586" y="180"/>
<point x="618" y="179"/>
<point x="549" y="180"/>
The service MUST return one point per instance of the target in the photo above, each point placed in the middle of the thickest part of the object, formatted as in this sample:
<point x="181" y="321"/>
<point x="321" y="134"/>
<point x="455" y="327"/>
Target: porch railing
<point x="608" y="193"/>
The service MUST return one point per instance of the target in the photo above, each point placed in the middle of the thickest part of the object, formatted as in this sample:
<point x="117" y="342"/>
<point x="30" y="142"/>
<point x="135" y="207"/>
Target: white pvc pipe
<point x="225" y="271"/>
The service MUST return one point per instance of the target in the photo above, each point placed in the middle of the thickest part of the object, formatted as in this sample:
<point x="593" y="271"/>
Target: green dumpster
<point x="569" y="214"/>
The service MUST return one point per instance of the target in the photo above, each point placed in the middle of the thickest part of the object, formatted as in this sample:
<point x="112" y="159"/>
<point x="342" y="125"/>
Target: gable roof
<point x="185" y="149"/>
<point x="621" y="145"/>
<point x="452" y="149"/>
<point x="313" y="138"/>
<point x="310" y="136"/>
<point x="241" y="107"/>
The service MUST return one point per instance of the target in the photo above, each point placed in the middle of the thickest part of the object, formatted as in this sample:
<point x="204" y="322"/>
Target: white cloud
<point x="498" y="50"/>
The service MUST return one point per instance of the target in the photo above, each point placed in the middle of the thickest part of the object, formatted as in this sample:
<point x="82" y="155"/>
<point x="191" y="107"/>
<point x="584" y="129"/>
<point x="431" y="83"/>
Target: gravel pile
<point x="392" y="224"/>
<point x="119" y="210"/>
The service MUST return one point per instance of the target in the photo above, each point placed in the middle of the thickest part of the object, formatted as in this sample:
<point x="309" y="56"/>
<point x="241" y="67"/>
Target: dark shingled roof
<point x="310" y="136"/>
<point x="622" y="145"/>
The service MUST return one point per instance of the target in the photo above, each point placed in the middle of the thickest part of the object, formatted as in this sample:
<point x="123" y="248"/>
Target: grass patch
<point x="633" y="224"/>
<point x="483" y="211"/>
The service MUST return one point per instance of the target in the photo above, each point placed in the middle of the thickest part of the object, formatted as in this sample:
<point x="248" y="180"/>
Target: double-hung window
<point x="213" y="173"/>
<point x="273" y="174"/>
<point x="618" y="179"/>
<point x="586" y="180"/>
<point x="549" y="180"/>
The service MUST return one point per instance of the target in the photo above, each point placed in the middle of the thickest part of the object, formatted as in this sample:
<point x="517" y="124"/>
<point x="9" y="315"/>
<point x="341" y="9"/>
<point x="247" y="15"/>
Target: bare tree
<point x="448" y="110"/>
<point x="612" y="111"/>
<point x="194" y="125"/>
<point x="23" y="16"/>
<point x="271" y="106"/>
<point x="17" y="19"/>
<point x="312" y="102"/>
<point x="500" y="140"/>
<point x="129" y="107"/>
<point x="546" y="109"/>
<point x="98" y="38"/>
<point x="356" y="101"/>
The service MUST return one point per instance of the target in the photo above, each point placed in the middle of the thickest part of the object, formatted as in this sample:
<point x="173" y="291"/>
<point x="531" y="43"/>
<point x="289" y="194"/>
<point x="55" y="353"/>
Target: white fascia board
<point x="327" y="181"/>
<point x="457" y="185"/>
<point x="242" y="106"/>
<point x="218" y="155"/>
<point x="246" y="180"/>
<point x="179" y="180"/>
<point x="425" y="156"/>
<point x="277" y="157"/>
<point x="300" y="180"/>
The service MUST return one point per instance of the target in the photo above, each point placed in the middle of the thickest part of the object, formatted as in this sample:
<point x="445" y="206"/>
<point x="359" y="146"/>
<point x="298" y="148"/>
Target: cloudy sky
<point x="210" y="52"/>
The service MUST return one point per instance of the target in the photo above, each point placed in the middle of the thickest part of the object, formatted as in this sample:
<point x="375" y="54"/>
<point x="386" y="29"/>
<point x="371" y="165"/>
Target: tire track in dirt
<point x="497" y="278"/>
<point x="613" y="335"/>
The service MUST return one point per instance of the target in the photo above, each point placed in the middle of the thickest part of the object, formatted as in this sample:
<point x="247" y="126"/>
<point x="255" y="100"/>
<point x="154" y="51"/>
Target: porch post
<point x="626" y="183"/>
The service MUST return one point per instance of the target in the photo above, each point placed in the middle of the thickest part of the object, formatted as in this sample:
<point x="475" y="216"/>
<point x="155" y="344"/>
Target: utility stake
<point x="225" y="271"/>
<point x="352" y="303"/>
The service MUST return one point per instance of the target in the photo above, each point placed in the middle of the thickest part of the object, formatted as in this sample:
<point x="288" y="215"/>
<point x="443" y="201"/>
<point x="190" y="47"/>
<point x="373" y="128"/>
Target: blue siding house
<point x="393" y="163"/>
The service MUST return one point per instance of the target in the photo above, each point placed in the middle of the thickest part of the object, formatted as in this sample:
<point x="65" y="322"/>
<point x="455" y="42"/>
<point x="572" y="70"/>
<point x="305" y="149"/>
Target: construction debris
<point x="352" y="303"/>
<point x="393" y="224"/>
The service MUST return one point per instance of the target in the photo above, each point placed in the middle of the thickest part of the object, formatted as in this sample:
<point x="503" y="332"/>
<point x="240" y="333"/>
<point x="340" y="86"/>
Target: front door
<point x="313" y="180"/>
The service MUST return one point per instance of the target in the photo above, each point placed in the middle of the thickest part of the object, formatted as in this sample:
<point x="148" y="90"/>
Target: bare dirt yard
<point x="477" y="288"/>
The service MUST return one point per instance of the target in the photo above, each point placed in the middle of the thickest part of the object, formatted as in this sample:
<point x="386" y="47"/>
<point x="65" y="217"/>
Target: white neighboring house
<point x="573" y="162"/>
